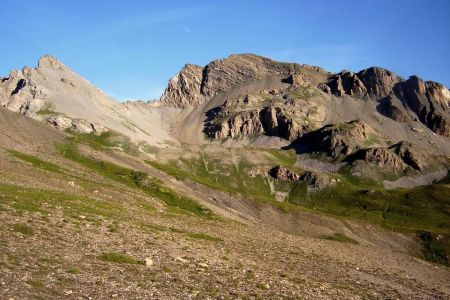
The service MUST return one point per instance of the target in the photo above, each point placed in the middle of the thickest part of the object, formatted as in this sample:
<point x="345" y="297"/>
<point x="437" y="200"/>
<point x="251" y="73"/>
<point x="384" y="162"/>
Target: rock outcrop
<point x="79" y="126"/>
<point x="348" y="83"/>
<point x="283" y="174"/>
<point x="382" y="158"/>
<point x="378" y="81"/>
<point x="393" y="108"/>
<point x="371" y="82"/>
<point x="410" y="155"/>
<point x="269" y="120"/>
<point x="313" y="180"/>
<point x="316" y="180"/>
<point x="340" y="139"/>
<point x="429" y="100"/>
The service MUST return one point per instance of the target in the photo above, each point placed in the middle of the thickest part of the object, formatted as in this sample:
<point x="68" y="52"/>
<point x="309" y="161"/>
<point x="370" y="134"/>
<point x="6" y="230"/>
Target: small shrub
<point x="435" y="249"/>
<point x="36" y="283"/>
<point x="73" y="270"/>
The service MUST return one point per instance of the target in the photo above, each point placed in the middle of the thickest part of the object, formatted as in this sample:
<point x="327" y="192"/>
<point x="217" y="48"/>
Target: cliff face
<point x="183" y="89"/>
<point x="194" y="85"/>
<point x="429" y="101"/>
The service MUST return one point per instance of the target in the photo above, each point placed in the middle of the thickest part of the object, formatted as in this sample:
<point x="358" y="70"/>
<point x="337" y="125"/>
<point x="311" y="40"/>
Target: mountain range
<point x="245" y="170"/>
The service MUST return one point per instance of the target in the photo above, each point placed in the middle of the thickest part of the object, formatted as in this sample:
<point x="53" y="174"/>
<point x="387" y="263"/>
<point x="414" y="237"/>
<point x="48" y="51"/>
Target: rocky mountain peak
<point x="49" y="61"/>
<point x="183" y="89"/>
<point x="220" y="75"/>
<point x="378" y="81"/>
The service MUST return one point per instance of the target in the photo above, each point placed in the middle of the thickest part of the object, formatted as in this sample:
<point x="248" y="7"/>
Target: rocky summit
<point x="248" y="179"/>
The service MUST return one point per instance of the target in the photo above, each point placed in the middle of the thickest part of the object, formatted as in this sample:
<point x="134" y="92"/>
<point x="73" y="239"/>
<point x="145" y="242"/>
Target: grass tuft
<point x="203" y="236"/>
<point x="339" y="237"/>
<point x="24" y="229"/>
<point x="120" y="258"/>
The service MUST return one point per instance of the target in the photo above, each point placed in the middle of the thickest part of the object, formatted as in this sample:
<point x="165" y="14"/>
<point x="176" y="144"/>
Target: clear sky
<point x="131" y="48"/>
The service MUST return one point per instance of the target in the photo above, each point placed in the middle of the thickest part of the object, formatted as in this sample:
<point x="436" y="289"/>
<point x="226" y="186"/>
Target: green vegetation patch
<point x="97" y="142"/>
<point x="285" y="158"/>
<point x="36" y="283"/>
<point x="304" y="92"/>
<point x="436" y="248"/>
<point x="104" y="141"/>
<point x="41" y="200"/>
<point x="135" y="179"/>
<point x="339" y="237"/>
<point x="228" y="178"/>
<point x="203" y="236"/>
<point x="24" y="229"/>
<point x="120" y="258"/>
<point x="35" y="161"/>
<point x="47" y="110"/>
<point x="420" y="208"/>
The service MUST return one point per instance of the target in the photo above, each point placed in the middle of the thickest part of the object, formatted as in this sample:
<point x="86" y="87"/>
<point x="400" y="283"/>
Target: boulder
<point x="283" y="174"/>
<point x="316" y="180"/>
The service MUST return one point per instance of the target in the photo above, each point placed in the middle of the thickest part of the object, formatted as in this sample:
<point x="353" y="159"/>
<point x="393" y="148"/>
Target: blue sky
<point x="131" y="48"/>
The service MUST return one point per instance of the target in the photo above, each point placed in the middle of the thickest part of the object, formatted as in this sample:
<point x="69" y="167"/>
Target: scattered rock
<point x="148" y="262"/>
<point x="180" y="259"/>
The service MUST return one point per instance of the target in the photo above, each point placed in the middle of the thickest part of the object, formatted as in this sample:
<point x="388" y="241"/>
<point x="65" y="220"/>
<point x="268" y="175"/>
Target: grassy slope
<point x="420" y="209"/>
<point x="135" y="179"/>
